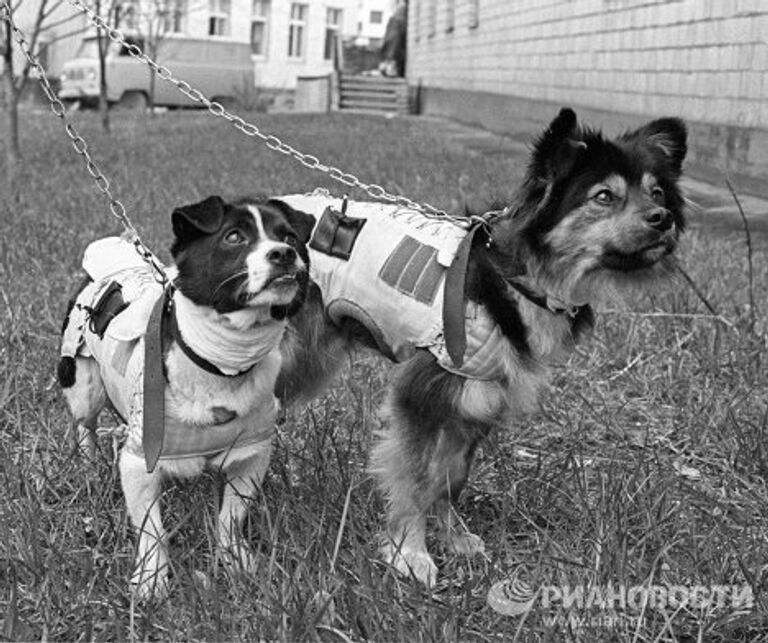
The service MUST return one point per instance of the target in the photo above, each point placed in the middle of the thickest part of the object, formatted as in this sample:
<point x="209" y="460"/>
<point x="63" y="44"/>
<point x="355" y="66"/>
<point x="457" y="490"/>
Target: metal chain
<point x="272" y="142"/>
<point x="78" y="143"/>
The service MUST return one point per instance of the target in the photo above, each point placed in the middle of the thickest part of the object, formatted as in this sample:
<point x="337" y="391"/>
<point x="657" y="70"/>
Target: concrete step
<point x="373" y="94"/>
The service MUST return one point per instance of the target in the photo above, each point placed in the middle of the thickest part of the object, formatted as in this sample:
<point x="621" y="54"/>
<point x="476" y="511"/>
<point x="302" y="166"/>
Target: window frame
<point x="260" y="18"/>
<point x="474" y="14"/>
<point x="415" y="6"/>
<point x="175" y="17"/>
<point x="219" y="16"/>
<point x="432" y="18"/>
<point x="298" y="25"/>
<point x="450" y="16"/>
<point x="332" y="30"/>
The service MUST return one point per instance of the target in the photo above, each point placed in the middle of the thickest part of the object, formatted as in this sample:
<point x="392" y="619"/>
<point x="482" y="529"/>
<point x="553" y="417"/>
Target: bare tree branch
<point x="60" y="21"/>
<point x="750" y="267"/>
<point x="21" y="81"/>
<point x="67" y="34"/>
<point x="53" y="8"/>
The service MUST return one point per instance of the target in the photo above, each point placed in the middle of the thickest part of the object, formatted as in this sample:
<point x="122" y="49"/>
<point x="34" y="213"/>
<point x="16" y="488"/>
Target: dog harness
<point x="385" y="267"/>
<point x="109" y="322"/>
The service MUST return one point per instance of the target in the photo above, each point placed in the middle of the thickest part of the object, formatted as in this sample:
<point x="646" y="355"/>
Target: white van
<point x="220" y="70"/>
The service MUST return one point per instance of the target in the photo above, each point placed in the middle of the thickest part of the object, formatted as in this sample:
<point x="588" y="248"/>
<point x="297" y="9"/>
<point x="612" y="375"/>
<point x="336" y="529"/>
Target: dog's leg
<point x="142" y="495"/>
<point x="82" y="437"/>
<point x="412" y="478"/>
<point x="83" y="388"/>
<point x="477" y="408"/>
<point x="244" y="477"/>
<point x="435" y="420"/>
<point x="404" y="545"/>
<point x="453" y="533"/>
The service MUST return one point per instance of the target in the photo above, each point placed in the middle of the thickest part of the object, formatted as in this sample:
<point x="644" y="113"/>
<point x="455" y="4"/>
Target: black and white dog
<point x="592" y="218"/>
<point x="241" y="272"/>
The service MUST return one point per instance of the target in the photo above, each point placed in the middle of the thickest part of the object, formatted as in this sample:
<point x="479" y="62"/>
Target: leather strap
<point x="153" y="429"/>
<point x="529" y="294"/>
<point x="542" y="301"/>
<point x="454" y="302"/>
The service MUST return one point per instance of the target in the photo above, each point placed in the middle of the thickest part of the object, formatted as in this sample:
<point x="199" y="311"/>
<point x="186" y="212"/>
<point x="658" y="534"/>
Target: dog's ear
<point x="302" y="223"/>
<point x="198" y="219"/>
<point x="667" y="138"/>
<point x="555" y="151"/>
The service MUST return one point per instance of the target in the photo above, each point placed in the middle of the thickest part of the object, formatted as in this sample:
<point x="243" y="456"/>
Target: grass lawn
<point x="645" y="466"/>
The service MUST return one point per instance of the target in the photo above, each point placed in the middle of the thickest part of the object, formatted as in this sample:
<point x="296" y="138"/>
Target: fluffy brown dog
<point x="593" y="217"/>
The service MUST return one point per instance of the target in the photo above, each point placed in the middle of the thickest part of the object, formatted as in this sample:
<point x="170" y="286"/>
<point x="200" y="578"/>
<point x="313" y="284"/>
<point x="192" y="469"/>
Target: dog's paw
<point x="411" y="562"/>
<point x="463" y="543"/>
<point x="149" y="580"/>
<point x="150" y="583"/>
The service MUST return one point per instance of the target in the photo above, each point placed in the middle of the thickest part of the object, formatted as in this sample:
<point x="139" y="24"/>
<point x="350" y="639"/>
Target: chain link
<point x="271" y="141"/>
<point x="116" y="208"/>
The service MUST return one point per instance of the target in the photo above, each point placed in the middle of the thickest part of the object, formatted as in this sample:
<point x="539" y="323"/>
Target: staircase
<point x="376" y="94"/>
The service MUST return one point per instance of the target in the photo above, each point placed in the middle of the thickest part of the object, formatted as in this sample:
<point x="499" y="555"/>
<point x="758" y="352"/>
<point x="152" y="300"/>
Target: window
<point x="332" y="28"/>
<point x="377" y="17"/>
<point x="173" y="16"/>
<point x="218" y="21"/>
<point x="297" y="30"/>
<point x="259" y="27"/>
<point x="139" y="42"/>
<point x="416" y="12"/>
<point x="432" y="18"/>
<point x="474" y="13"/>
<point x="450" y="15"/>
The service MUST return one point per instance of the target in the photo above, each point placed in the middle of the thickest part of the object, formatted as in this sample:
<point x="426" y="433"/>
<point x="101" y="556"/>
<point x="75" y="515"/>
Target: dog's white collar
<point x="223" y="339"/>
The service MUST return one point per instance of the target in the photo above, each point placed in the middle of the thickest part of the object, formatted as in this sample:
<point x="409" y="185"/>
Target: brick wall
<point x="509" y="64"/>
<point x="706" y="59"/>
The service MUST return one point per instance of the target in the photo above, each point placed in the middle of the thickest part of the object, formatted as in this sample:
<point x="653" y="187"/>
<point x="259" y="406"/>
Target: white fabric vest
<point x="393" y="284"/>
<point x="120" y="355"/>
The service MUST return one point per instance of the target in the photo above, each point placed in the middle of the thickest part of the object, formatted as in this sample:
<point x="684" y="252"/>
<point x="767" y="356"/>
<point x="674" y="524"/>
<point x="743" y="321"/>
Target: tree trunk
<point x="103" y="103"/>
<point x="13" y="149"/>
<point x="152" y="50"/>
<point x="103" y="45"/>
<point x="152" y="80"/>
<point x="10" y="96"/>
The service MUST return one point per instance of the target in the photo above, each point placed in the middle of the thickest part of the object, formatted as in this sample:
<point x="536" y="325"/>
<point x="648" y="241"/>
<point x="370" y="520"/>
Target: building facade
<point x="292" y="39"/>
<point x="59" y="37"/>
<point x="287" y="39"/>
<point x="510" y="64"/>
<point x="372" y="17"/>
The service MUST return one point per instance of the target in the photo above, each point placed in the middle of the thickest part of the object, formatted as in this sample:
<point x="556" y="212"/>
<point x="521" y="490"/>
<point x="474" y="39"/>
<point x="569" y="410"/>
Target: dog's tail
<point x="65" y="371"/>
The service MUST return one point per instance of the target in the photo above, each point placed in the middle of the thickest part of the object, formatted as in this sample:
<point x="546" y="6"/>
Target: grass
<point x="645" y="465"/>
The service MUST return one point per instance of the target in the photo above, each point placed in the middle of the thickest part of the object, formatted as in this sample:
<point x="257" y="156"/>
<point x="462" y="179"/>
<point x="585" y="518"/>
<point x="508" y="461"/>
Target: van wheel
<point x="133" y="101"/>
<point x="229" y="103"/>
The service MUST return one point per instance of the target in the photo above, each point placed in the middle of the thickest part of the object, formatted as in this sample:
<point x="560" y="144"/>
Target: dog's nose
<point x="282" y="255"/>
<point x="659" y="219"/>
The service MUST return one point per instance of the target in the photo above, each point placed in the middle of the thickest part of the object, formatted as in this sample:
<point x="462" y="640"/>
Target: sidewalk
<point x="711" y="205"/>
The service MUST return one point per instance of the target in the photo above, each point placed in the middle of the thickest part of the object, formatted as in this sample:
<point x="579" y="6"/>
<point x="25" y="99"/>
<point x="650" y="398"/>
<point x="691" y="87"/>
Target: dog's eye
<point x="657" y="195"/>
<point x="604" y="197"/>
<point x="234" y="237"/>
<point x="291" y="240"/>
